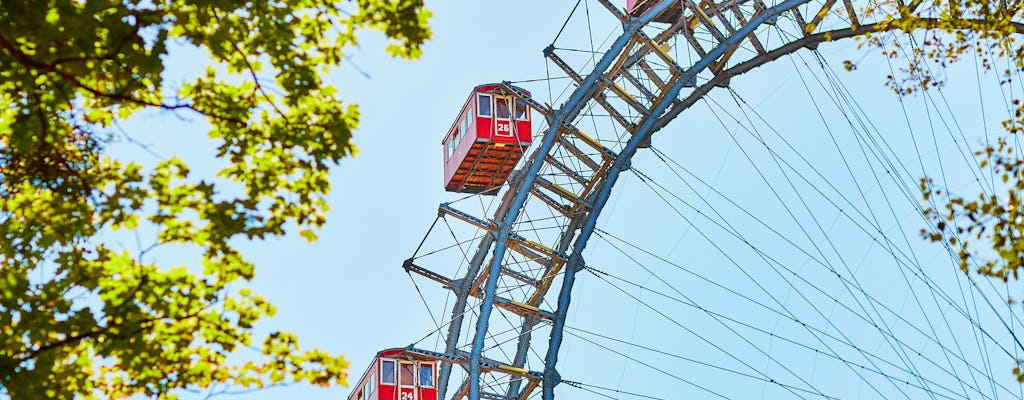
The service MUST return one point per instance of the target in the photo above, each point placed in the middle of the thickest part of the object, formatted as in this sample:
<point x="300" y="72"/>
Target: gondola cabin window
<point x="396" y="375"/>
<point x="487" y="139"/>
<point x="483" y="108"/>
<point x="426" y="375"/>
<point x="387" y="372"/>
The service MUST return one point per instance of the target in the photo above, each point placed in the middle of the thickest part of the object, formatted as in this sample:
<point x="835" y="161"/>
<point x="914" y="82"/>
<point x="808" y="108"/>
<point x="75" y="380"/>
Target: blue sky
<point x="348" y="294"/>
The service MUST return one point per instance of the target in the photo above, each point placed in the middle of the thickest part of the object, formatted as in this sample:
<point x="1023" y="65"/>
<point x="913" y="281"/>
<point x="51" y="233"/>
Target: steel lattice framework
<point x="571" y="173"/>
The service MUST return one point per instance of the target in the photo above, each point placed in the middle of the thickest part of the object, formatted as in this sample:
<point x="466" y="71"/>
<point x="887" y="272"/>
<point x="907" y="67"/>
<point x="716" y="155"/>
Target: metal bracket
<point x="624" y="164"/>
<point x="460" y="285"/>
<point x="689" y="80"/>
<point x="580" y="264"/>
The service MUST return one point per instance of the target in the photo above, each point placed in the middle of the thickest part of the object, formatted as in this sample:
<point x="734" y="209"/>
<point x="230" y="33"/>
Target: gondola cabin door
<point x="502" y="118"/>
<point x="406" y="380"/>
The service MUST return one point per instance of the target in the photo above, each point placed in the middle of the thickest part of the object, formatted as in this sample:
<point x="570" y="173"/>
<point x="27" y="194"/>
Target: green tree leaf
<point x="82" y="318"/>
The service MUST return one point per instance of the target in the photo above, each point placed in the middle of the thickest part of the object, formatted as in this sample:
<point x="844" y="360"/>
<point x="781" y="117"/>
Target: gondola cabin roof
<point x="491" y="132"/>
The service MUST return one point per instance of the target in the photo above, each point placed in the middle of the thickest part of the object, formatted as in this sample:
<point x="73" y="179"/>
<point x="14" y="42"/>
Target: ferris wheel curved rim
<point x="672" y="107"/>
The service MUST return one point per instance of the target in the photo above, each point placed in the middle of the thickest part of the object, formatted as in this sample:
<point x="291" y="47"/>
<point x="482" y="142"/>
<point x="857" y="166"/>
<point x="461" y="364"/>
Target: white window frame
<point x="467" y="121"/>
<point x="433" y="375"/>
<point x="511" y="113"/>
<point x="451" y="144"/>
<point x="494" y="106"/>
<point x="394" y="367"/>
<point x="490" y="102"/>
<point x="415" y="378"/>
<point x="526" y="113"/>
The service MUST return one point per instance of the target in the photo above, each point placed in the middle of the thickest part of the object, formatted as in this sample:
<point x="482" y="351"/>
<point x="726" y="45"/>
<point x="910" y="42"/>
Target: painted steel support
<point x="575" y="263"/>
<point x="562" y="117"/>
<point x="462" y="288"/>
<point x="667" y="104"/>
<point x="585" y="205"/>
<point x="622" y="162"/>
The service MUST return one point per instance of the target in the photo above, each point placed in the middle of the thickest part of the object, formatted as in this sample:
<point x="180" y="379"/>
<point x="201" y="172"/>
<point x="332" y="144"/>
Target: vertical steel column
<point x="563" y="116"/>
<point x="622" y="162"/>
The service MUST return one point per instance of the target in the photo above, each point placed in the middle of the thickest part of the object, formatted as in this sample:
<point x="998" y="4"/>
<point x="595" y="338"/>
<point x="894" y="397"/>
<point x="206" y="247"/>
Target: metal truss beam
<point x="580" y="171"/>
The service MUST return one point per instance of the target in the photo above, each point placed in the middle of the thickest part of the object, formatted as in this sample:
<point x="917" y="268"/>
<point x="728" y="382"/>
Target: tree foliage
<point x="948" y="32"/>
<point x="81" y="317"/>
<point x="985" y="230"/>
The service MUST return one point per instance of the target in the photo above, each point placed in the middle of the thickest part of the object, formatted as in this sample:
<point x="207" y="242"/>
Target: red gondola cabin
<point x="393" y="375"/>
<point x="487" y="140"/>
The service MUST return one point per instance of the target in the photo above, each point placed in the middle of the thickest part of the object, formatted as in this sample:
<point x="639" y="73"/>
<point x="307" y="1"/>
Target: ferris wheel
<point x="764" y="306"/>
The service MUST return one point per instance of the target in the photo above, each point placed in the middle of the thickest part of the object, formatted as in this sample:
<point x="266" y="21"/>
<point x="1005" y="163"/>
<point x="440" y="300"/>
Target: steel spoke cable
<point x="922" y="276"/>
<point x="449" y="247"/>
<point x="752" y="279"/>
<point x="604" y="235"/>
<point x="646" y="180"/>
<point x="942" y="172"/>
<point x="760" y="304"/>
<point x="689" y="302"/>
<point x="824" y="260"/>
<point x="974" y="284"/>
<point x="468" y="310"/>
<point x="717" y="316"/>
<point x="465" y="256"/>
<point x="861" y="142"/>
<point x="424" y="300"/>
<point x="806" y="180"/>
<point x="841" y="209"/>
<point x="765" y="378"/>
<point x="911" y="286"/>
<point x="706" y="203"/>
<point x="566" y="23"/>
<point x="811" y="304"/>
<point x="1010" y="116"/>
<point x="586" y="387"/>
<point x="981" y="103"/>
<point x="774" y="262"/>
<point x="833" y="96"/>
<point x="847" y="98"/>
<point x="955" y="223"/>
<point x="578" y="332"/>
<point x="712" y="189"/>
<point x="868" y="383"/>
<point x="901" y="351"/>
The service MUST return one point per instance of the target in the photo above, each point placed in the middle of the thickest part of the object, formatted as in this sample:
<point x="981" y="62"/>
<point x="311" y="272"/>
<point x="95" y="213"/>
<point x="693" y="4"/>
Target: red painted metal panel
<point x="483" y="127"/>
<point x="524" y="131"/>
<point x="387" y="392"/>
